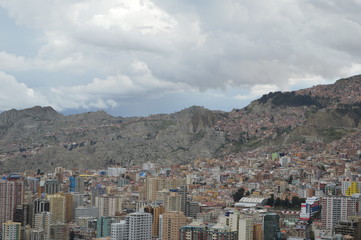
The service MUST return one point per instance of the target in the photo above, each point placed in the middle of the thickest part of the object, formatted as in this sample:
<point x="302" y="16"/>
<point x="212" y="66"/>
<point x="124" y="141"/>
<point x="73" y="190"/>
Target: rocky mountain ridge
<point x="39" y="137"/>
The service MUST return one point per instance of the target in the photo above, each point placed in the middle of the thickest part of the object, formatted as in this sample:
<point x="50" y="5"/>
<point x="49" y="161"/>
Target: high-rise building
<point x="69" y="209"/>
<point x="37" y="234"/>
<point x="57" y="208"/>
<point x="151" y="188"/>
<point x="109" y="205"/>
<point x="76" y="184"/>
<point x="78" y="200"/>
<point x="153" y="185"/>
<point x="28" y="214"/>
<point x="115" y="205"/>
<point x="137" y="226"/>
<point x="104" y="226"/>
<point x="119" y="231"/>
<point x="173" y="202"/>
<point x="42" y="221"/>
<point x="192" y="209"/>
<point x="245" y="229"/>
<point x="52" y="186"/>
<point x="72" y="184"/>
<point x="18" y="215"/>
<point x="221" y="232"/>
<point x="41" y="205"/>
<point x="194" y="231"/>
<point x="96" y="192"/>
<point x="171" y="223"/>
<point x="102" y="203"/>
<point x="271" y="226"/>
<point x="338" y="208"/>
<point x="90" y="211"/>
<point x="156" y="211"/>
<point x="243" y="223"/>
<point x="11" y="230"/>
<point x="7" y="201"/>
<point x="183" y="192"/>
<point x="59" y="231"/>
<point x="257" y="231"/>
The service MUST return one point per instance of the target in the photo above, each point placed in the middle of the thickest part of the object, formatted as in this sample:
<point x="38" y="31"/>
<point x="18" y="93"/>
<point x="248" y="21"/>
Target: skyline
<point x="146" y="57"/>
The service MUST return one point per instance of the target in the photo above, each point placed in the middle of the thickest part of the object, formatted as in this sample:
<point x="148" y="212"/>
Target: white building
<point x="249" y="202"/>
<point x="245" y="230"/>
<point x="116" y="171"/>
<point x="119" y="231"/>
<point x="42" y="222"/>
<point x="284" y="161"/>
<point x="109" y="206"/>
<point x="136" y="226"/>
<point x="148" y="166"/>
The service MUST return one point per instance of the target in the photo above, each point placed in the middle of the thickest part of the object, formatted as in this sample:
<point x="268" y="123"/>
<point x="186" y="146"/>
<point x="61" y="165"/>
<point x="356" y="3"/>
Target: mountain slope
<point x="94" y="140"/>
<point x="40" y="137"/>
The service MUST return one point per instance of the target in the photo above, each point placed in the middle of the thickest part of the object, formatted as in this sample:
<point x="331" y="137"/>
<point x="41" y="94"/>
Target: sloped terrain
<point x="40" y="137"/>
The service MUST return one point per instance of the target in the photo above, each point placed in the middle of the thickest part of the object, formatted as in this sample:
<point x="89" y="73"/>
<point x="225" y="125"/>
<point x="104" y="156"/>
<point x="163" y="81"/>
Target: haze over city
<point x="143" y="57"/>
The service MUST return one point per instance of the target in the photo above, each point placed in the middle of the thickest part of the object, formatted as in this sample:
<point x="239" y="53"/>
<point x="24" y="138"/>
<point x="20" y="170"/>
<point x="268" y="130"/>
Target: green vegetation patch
<point x="333" y="133"/>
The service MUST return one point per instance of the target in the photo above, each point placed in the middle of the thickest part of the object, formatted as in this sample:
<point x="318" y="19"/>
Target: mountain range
<point x="41" y="138"/>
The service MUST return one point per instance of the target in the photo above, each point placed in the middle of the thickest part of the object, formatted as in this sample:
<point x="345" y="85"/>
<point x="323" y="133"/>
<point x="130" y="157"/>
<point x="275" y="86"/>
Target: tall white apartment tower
<point x="42" y="222"/>
<point x="119" y="231"/>
<point x="140" y="226"/>
<point x="136" y="226"/>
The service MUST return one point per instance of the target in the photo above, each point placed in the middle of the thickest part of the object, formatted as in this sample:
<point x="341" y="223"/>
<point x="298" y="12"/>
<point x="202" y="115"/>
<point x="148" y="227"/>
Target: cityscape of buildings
<point x="294" y="195"/>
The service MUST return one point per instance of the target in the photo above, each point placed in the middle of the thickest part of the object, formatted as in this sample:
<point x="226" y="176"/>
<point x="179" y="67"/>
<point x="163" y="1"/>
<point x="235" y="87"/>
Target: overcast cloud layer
<point x="147" y="56"/>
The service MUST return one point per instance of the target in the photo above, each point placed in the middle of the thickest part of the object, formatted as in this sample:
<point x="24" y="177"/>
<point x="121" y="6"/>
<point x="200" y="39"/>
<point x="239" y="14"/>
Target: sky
<point x="141" y="57"/>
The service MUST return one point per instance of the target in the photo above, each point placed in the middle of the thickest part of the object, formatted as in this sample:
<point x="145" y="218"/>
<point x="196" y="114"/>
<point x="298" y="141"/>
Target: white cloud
<point x="142" y="15"/>
<point x="12" y="62"/>
<point x="104" y="93"/>
<point x="17" y="95"/>
<point x="257" y="91"/>
<point x="353" y="69"/>
<point x="307" y="81"/>
<point x="185" y="46"/>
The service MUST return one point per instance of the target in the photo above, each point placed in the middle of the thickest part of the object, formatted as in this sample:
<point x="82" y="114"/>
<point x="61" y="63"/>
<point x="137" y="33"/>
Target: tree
<point x="296" y="202"/>
<point x="312" y="235"/>
<point x="238" y="195"/>
<point x="290" y="179"/>
<point x="286" y="203"/>
<point x="278" y="202"/>
<point x="271" y="200"/>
